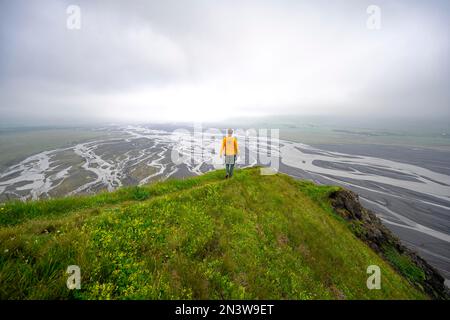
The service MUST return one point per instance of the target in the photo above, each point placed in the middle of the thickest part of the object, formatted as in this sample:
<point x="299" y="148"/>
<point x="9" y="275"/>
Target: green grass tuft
<point x="405" y="265"/>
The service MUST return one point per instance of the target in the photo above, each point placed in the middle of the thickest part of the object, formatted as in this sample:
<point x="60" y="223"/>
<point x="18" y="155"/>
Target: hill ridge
<point x="249" y="237"/>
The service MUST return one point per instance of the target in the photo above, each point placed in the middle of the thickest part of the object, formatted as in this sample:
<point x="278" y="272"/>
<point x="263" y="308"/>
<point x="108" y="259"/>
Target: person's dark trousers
<point x="229" y="169"/>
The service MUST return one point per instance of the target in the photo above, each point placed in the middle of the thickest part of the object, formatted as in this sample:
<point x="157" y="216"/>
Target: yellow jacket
<point x="230" y="145"/>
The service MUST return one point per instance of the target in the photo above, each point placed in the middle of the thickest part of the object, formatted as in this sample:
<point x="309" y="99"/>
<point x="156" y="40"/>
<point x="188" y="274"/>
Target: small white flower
<point x="6" y="250"/>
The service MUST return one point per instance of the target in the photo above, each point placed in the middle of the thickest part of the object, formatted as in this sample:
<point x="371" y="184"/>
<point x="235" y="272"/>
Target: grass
<point x="249" y="237"/>
<point x="404" y="265"/>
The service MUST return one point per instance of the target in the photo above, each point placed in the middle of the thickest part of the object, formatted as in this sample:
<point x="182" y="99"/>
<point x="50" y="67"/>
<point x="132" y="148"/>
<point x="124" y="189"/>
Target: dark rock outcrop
<point x="369" y="228"/>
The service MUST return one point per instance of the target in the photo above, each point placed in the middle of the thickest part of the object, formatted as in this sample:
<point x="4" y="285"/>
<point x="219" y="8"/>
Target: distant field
<point x="433" y="134"/>
<point x="329" y="135"/>
<point x="17" y="144"/>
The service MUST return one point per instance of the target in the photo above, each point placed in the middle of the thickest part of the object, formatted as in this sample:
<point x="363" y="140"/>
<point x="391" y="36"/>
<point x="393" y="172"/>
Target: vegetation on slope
<point x="249" y="237"/>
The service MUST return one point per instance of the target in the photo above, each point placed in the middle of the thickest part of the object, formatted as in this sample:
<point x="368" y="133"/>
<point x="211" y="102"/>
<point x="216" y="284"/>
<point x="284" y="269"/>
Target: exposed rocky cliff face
<point x="369" y="228"/>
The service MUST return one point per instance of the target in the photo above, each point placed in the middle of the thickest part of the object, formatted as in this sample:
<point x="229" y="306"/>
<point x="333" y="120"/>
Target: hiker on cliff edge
<point x="230" y="146"/>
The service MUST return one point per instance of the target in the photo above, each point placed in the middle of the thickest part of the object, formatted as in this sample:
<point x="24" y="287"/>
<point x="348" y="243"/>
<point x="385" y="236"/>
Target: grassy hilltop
<point x="250" y="237"/>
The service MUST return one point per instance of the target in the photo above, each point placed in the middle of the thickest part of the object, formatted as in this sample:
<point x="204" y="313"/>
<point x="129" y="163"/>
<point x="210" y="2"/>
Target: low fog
<point x="213" y="60"/>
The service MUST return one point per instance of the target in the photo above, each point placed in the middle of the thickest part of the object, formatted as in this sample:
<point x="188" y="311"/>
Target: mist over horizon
<point x="147" y="62"/>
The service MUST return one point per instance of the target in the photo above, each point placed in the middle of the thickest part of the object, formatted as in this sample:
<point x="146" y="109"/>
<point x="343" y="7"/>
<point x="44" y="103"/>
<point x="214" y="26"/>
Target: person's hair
<point x="230" y="131"/>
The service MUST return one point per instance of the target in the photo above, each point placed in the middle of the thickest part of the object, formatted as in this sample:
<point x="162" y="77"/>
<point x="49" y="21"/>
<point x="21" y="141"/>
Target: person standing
<point x="230" y="147"/>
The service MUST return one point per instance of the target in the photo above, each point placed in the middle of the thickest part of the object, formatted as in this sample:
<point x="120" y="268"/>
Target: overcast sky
<point x="210" y="60"/>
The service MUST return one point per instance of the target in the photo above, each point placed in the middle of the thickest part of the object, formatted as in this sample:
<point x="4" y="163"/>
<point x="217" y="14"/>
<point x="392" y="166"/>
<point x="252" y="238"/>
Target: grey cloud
<point x="174" y="59"/>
